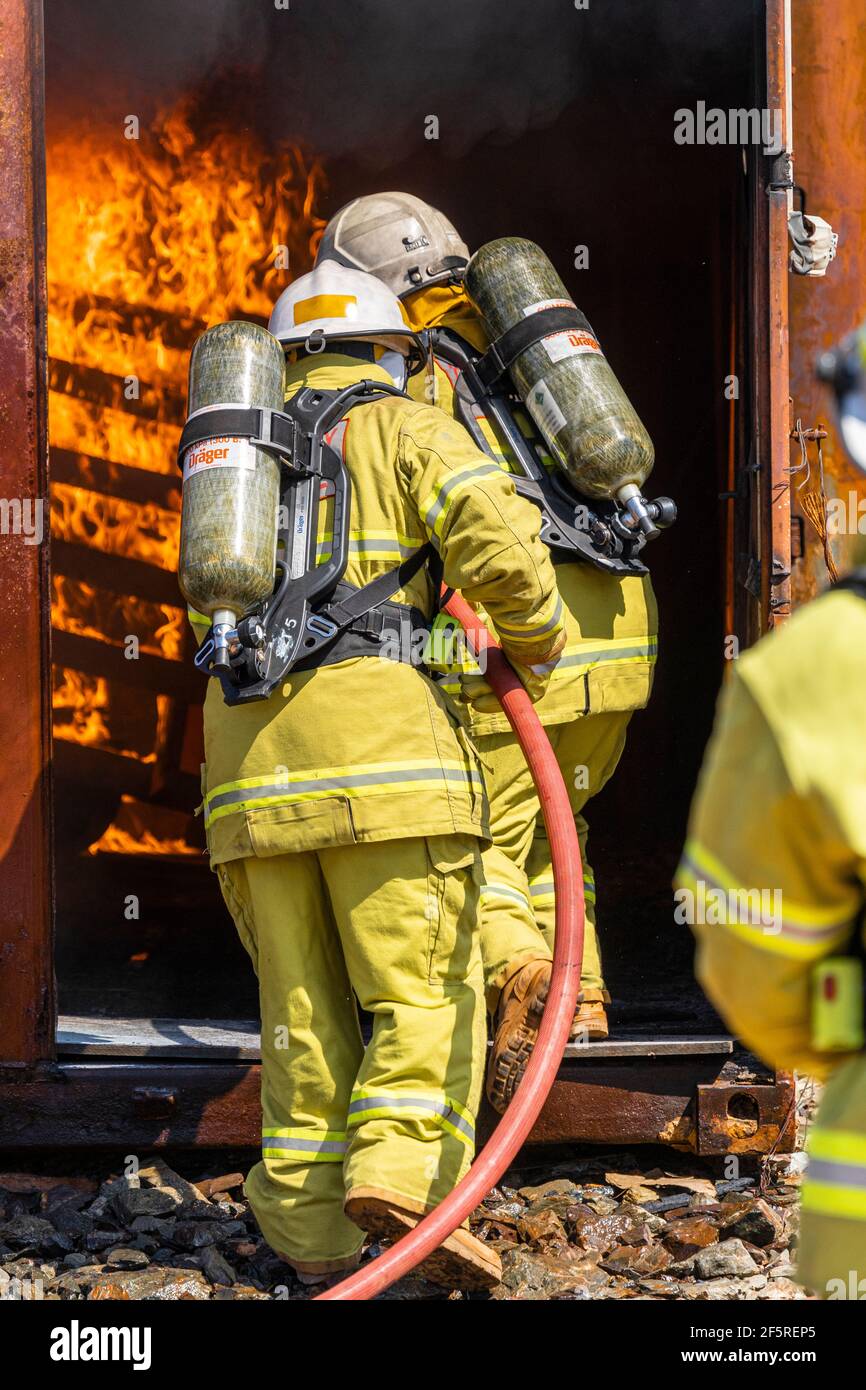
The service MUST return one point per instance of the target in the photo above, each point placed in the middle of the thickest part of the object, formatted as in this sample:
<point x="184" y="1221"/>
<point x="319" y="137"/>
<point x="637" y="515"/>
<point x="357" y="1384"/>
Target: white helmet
<point x="398" y="237"/>
<point x="333" y="303"/>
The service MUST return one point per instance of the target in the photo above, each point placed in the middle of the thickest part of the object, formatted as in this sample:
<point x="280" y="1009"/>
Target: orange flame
<point x="142" y="829"/>
<point x="151" y="240"/>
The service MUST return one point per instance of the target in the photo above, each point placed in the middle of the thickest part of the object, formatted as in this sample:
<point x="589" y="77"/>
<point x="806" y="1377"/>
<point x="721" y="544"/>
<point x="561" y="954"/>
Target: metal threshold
<point x="239" y="1040"/>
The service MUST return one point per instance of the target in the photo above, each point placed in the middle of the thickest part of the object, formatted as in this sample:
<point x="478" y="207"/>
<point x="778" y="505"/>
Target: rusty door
<point x="26" y="975"/>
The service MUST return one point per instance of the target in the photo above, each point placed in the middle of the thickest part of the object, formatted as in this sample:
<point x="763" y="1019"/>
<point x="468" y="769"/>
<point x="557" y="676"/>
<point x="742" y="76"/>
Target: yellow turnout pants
<point x="517" y="899"/>
<point x="832" y="1252"/>
<point x="395" y="922"/>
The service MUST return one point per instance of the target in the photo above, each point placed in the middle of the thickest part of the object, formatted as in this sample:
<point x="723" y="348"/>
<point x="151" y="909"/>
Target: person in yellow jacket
<point x="344" y="817"/>
<point x="604" y="674"/>
<point x="773" y="877"/>
<point x="773" y="883"/>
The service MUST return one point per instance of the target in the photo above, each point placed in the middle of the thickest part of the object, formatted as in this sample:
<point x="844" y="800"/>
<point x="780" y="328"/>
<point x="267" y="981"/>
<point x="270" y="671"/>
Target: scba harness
<point x="313" y="617"/>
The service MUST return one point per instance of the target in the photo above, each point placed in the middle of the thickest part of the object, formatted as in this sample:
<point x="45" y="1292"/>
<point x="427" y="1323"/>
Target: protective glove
<point x="534" y="674"/>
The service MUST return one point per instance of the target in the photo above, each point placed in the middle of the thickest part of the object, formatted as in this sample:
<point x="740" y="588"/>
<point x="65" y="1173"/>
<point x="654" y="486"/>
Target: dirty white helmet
<point x="334" y="303"/>
<point x="398" y="237"/>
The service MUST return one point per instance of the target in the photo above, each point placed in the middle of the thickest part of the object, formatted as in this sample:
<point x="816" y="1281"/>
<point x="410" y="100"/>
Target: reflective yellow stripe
<point x="362" y="779"/>
<point x="543" y="894"/>
<point x="501" y="450"/>
<point x="323" y="306"/>
<point x="835" y="1182"/>
<point x="800" y="932"/>
<point x="833" y="1199"/>
<point x="305" y="1145"/>
<point x="623" y="652"/>
<point x="575" y="658"/>
<point x="550" y="618"/>
<point x="375" y="1103"/>
<point x="437" y="505"/>
<point x="838" y="1145"/>
<point x="372" y="545"/>
<point x="504" y="892"/>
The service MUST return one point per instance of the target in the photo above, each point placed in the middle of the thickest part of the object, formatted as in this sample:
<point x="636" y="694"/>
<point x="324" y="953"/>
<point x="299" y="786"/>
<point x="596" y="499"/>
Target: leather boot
<point x="590" y="1018"/>
<point x="461" y="1262"/>
<point x="518" y="1019"/>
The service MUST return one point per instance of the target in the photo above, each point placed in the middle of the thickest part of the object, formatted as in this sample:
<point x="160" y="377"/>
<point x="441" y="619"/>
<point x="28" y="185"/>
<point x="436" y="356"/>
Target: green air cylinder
<point x="231" y="490"/>
<point x="564" y="379"/>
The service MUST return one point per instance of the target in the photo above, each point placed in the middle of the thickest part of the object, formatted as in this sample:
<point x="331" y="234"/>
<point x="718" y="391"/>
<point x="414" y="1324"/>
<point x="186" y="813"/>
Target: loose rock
<point x="152" y="1285"/>
<point x="216" y="1267"/>
<point x="686" y="1237"/>
<point x="728" y="1259"/>
<point x="754" y="1221"/>
<point x="129" y="1202"/>
<point x="528" y="1276"/>
<point x="543" y="1226"/>
<point x="122" y="1258"/>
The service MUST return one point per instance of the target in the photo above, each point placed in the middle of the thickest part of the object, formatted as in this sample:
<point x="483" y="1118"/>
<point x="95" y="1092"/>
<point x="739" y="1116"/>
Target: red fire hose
<point x="538" y="1078"/>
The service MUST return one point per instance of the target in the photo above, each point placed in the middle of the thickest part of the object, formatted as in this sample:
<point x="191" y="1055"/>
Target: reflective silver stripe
<point x="836" y="1174"/>
<point x="529" y="634"/>
<point x="467" y="475"/>
<point x="547" y="885"/>
<point x="436" y="1107"/>
<point x="589" y="657"/>
<point x="336" y="784"/>
<point x="544" y="885"/>
<point x="795" y="930"/>
<point x="371" y="545"/>
<point x="503" y="890"/>
<point x="305" y="1146"/>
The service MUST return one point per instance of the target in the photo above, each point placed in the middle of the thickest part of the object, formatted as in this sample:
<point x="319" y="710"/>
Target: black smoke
<point x="358" y="78"/>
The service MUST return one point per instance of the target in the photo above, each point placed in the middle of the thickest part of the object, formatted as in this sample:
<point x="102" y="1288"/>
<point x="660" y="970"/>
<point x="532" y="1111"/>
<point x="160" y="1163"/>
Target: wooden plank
<point x="651" y="1047"/>
<point x="95" y="658"/>
<point x="79" y="1035"/>
<point x="158" y="1037"/>
<point x="144" y="1104"/>
<point x="101" y="769"/>
<point x="105" y="389"/>
<point x="116" y="573"/>
<point x="130" y="484"/>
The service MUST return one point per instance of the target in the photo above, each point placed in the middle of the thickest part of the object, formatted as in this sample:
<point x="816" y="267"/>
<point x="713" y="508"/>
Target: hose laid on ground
<point x="543" y="1065"/>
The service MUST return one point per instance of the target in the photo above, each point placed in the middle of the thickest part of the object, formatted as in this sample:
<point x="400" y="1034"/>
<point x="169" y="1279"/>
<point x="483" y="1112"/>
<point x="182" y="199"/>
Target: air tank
<point x="564" y="379"/>
<point x="231" y="490"/>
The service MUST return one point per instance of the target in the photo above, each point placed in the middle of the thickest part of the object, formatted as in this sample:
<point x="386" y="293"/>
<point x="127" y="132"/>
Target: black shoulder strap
<point x="523" y="334"/>
<point x="343" y="613"/>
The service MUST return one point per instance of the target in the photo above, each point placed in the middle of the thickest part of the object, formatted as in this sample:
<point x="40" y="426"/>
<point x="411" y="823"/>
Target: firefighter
<point x="773" y="876"/>
<point x="605" y="673"/>
<point x="344" y="816"/>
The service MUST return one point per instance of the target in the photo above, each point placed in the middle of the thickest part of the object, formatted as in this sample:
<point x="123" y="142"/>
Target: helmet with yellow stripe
<point x="334" y="303"/>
